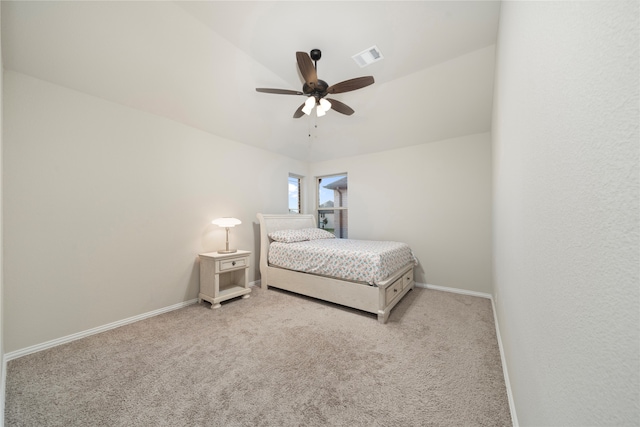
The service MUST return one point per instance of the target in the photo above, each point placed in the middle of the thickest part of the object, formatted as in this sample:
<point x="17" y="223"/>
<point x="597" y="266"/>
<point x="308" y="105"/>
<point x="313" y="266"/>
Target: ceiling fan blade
<point x="279" y="91"/>
<point x="340" y="107"/>
<point x="299" y="113"/>
<point x="307" y="69"/>
<point x="349" y="85"/>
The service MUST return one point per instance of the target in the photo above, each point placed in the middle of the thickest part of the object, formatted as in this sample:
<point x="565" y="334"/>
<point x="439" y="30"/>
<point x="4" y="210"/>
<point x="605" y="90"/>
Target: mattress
<point x="348" y="259"/>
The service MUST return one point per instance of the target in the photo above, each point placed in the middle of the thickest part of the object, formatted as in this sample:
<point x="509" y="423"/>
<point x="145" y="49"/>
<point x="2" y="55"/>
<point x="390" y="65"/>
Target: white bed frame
<point x="378" y="299"/>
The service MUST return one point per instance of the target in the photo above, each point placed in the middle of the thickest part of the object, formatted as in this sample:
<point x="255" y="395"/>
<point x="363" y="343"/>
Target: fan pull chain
<point x="313" y="127"/>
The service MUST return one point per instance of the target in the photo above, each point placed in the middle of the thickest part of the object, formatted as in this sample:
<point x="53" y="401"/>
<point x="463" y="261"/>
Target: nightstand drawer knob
<point x="233" y="263"/>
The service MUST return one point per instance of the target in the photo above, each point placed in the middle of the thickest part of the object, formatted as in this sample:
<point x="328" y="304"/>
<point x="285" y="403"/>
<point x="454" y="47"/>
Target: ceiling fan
<point x="316" y="90"/>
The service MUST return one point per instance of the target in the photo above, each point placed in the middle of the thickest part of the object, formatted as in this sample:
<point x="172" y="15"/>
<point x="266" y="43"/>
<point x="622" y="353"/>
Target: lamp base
<point x="227" y="251"/>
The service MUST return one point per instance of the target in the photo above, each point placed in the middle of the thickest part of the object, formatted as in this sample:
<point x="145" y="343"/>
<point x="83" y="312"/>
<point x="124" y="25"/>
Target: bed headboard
<point x="269" y="223"/>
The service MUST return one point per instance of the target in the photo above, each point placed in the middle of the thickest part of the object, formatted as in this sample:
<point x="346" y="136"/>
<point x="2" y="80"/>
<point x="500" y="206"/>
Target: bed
<point x="377" y="294"/>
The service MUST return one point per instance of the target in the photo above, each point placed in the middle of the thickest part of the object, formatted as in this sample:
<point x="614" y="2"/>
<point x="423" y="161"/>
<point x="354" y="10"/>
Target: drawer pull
<point x="233" y="263"/>
<point x="395" y="290"/>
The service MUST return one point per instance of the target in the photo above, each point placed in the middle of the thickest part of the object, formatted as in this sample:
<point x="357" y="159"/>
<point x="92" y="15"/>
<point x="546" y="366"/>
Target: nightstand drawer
<point x="233" y="263"/>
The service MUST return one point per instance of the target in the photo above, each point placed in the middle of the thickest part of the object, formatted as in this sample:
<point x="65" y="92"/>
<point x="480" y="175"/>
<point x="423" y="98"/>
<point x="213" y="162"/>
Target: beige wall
<point x="106" y="208"/>
<point x="566" y="213"/>
<point x="435" y="196"/>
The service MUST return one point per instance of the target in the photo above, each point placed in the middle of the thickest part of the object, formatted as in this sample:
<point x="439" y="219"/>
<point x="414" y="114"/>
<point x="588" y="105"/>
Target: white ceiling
<point x="199" y="63"/>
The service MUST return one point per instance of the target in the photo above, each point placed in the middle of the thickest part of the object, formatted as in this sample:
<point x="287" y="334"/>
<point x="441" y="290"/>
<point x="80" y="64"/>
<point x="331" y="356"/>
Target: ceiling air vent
<point x="368" y="56"/>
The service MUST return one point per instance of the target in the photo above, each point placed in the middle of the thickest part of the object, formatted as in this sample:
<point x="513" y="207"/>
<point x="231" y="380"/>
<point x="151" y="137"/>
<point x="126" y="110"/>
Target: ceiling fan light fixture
<point x="308" y="105"/>
<point x="320" y="111"/>
<point x="326" y="105"/>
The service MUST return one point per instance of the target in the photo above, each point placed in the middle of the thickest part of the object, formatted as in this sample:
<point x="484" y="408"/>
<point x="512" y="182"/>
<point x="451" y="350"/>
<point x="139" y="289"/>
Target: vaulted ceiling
<point x="199" y="63"/>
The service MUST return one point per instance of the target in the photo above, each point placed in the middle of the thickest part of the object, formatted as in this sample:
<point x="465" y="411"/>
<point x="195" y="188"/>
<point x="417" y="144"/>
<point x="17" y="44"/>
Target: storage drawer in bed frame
<point x="395" y="289"/>
<point x="408" y="278"/>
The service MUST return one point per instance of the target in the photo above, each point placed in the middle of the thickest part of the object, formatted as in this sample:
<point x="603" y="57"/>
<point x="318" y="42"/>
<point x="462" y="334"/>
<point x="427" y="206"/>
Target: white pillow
<point x="300" y="235"/>
<point x="289" y="236"/>
<point x="319" y="233"/>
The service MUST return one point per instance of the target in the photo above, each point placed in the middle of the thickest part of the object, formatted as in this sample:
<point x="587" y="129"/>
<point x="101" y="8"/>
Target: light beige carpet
<point x="275" y="359"/>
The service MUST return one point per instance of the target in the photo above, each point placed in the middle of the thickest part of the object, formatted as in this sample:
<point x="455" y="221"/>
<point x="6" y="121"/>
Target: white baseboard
<point x="49" y="344"/>
<point x="256" y="283"/>
<point x="3" y="387"/>
<point x="454" y="290"/>
<point x="505" y="372"/>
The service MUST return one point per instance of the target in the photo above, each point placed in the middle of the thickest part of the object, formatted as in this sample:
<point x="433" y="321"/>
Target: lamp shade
<point x="308" y="105"/>
<point x="226" y="222"/>
<point x="326" y="105"/>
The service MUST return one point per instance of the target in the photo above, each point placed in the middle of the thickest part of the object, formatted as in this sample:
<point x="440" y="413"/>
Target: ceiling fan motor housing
<point x="318" y="91"/>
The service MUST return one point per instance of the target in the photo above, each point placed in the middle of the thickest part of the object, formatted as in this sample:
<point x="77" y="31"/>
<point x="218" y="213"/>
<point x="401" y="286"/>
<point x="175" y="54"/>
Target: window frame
<point x="344" y="210"/>
<point x="300" y="180"/>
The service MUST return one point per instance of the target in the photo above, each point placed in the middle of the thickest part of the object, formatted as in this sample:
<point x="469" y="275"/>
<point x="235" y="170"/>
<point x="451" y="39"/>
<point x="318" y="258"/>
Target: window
<point x="332" y="204"/>
<point x="295" y="193"/>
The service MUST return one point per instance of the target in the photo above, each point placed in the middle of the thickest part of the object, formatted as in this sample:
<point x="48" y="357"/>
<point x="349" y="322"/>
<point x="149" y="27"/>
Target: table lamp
<point x="227" y="223"/>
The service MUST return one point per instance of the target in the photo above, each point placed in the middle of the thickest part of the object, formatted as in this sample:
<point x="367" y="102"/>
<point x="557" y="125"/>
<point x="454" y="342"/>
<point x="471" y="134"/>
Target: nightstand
<point x="223" y="276"/>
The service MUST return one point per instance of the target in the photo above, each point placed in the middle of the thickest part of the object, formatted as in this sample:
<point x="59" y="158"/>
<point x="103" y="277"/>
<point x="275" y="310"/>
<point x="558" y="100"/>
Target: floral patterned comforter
<point x="359" y="260"/>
